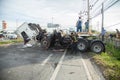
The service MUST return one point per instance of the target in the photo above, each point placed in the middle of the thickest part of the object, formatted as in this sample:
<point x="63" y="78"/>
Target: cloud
<point x="64" y="12"/>
<point x="40" y="10"/>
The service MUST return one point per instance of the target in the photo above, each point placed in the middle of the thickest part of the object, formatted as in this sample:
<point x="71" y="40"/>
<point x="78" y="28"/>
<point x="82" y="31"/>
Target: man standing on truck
<point x="79" y="25"/>
<point x="87" y="26"/>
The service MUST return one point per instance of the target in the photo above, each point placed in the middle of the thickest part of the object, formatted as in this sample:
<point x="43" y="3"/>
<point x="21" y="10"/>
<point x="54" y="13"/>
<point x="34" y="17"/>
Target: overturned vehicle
<point x="60" y="39"/>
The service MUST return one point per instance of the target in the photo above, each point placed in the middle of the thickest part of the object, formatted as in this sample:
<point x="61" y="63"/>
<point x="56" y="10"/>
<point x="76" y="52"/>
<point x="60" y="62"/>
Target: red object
<point x="4" y="24"/>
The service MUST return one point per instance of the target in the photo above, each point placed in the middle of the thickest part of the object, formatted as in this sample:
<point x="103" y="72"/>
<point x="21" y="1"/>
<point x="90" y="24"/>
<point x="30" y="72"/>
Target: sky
<point x="111" y="19"/>
<point x="63" y="12"/>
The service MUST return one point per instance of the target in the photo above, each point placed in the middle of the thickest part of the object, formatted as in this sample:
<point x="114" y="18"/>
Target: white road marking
<point x="58" y="67"/>
<point x="45" y="61"/>
<point x="86" y="69"/>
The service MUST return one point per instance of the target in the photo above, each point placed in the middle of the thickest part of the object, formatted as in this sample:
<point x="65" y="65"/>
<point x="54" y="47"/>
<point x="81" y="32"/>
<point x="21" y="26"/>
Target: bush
<point x="110" y="66"/>
<point x="115" y="52"/>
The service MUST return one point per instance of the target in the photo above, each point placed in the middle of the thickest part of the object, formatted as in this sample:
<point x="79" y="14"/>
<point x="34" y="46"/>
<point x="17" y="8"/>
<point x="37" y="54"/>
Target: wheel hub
<point x="97" y="48"/>
<point x="81" y="46"/>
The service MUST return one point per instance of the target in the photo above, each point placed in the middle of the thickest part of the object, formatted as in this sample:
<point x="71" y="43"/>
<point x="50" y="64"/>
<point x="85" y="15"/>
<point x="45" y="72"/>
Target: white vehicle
<point x="12" y="36"/>
<point x="28" y="31"/>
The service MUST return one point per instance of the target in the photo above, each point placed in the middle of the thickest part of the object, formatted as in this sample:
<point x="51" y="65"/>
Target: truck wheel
<point x="45" y="43"/>
<point x="97" y="47"/>
<point x="82" y="45"/>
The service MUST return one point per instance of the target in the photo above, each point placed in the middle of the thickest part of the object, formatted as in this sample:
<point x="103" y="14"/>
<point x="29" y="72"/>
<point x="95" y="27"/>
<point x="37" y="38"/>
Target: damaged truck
<point x="59" y="39"/>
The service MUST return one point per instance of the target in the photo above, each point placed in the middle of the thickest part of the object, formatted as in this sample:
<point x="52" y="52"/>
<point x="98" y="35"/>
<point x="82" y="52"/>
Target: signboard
<point x="51" y="25"/>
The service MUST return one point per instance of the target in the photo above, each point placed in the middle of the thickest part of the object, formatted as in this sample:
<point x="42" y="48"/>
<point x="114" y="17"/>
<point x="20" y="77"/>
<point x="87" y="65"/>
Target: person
<point x="79" y="25"/>
<point x="74" y="42"/>
<point x="111" y="36"/>
<point x="103" y="32"/>
<point x="87" y="26"/>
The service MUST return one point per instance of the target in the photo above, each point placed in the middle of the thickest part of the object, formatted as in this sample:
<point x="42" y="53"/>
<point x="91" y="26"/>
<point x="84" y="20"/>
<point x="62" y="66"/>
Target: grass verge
<point x="11" y="41"/>
<point x="109" y="62"/>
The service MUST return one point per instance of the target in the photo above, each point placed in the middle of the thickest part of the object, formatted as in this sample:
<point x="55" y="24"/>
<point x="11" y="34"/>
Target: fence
<point x="115" y="42"/>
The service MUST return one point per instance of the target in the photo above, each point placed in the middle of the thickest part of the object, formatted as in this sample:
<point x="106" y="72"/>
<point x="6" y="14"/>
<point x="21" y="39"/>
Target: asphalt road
<point x="17" y="63"/>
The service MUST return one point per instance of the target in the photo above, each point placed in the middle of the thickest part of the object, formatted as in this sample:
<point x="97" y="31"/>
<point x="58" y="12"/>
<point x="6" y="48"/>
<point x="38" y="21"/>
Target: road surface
<point x="17" y="63"/>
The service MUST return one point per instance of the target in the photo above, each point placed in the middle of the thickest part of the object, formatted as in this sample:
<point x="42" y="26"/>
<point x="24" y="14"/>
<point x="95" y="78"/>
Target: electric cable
<point x="112" y="25"/>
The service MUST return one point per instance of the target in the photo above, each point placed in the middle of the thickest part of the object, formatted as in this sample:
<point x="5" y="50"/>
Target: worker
<point x="79" y="25"/>
<point x="111" y="36"/>
<point x="74" y="42"/>
<point x="103" y="32"/>
<point x="87" y="26"/>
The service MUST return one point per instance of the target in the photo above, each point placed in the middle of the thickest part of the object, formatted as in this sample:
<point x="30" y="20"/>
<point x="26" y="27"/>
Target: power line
<point x="112" y="25"/>
<point x="99" y="7"/>
<point x="91" y="1"/>
<point x="110" y="4"/>
<point x="84" y="7"/>
<point x="95" y="2"/>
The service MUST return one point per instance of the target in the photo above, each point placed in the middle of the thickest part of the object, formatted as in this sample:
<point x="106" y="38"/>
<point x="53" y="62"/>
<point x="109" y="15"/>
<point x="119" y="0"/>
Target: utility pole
<point x="88" y="5"/>
<point x="102" y="15"/>
<point x="102" y="29"/>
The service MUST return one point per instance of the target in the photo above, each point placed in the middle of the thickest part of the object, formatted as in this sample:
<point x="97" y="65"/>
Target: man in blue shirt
<point x="87" y="26"/>
<point x="79" y="25"/>
<point x="103" y="33"/>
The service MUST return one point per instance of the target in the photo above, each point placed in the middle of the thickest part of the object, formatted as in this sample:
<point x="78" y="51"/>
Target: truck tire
<point x="97" y="47"/>
<point x="82" y="45"/>
<point x="45" y="43"/>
